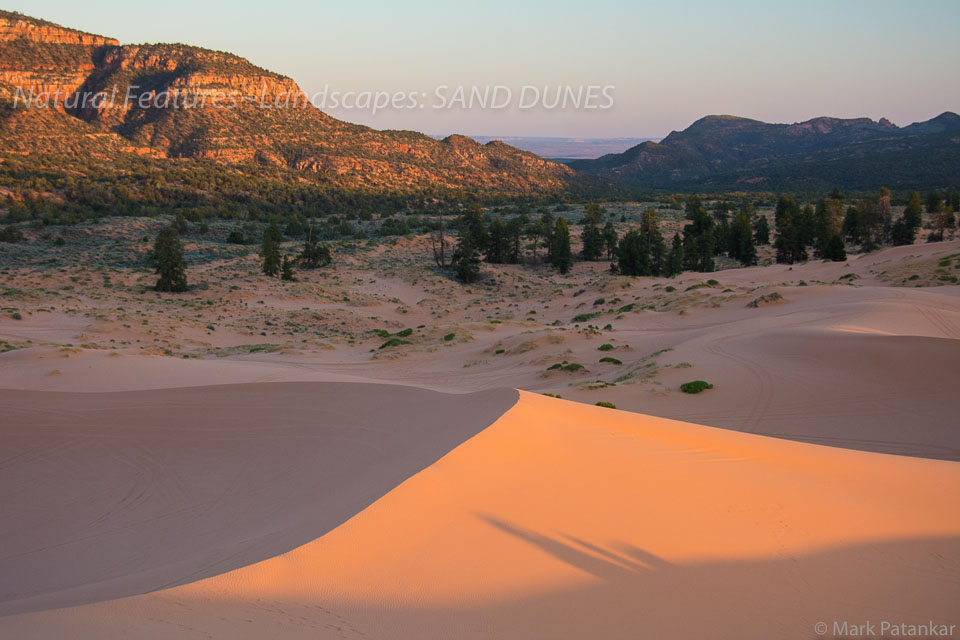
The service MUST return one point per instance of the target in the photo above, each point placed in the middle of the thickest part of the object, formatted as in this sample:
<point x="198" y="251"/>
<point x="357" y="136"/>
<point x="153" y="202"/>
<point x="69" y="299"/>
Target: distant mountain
<point x="729" y="152"/>
<point x="296" y="145"/>
<point x="564" y="149"/>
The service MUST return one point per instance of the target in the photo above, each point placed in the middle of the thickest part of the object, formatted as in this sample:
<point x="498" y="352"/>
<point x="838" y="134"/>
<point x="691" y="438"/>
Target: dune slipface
<point x="563" y="520"/>
<point x="112" y="494"/>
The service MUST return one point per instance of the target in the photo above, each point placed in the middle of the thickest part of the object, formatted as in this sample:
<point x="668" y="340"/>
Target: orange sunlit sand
<point x="563" y="520"/>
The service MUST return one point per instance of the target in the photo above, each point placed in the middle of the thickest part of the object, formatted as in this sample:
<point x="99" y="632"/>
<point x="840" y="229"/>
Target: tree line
<point x="823" y="229"/>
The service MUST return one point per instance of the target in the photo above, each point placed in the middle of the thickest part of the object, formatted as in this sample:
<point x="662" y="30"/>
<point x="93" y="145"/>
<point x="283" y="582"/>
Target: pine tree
<point x="853" y="225"/>
<point x="823" y="229"/>
<point x="835" y="251"/>
<point x="592" y="236"/>
<point x="466" y="258"/>
<point x="789" y="242"/>
<point x="610" y="240"/>
<point x="761" y="230"/>
<point x="534" y="233"/>
<point x="514" y="229"/>
<point x="270" y="250"/>
<point x="807" y="226"/>
<point x="741" y="245"/>
<point x="699" y="239"/>
<point x="560" y="255"/>
<point x="884" y="215"/>
<point x="548" y="224"/>
<point x="653" y="241"/>
<point x="674" y="262"/>
<point x="633" y="255"/>
<point x="286" y="269"/>
<point x="474" y="223"/>
<point x="168" y="253"/>
<point x="913" y="213"/>
<point x="497" y="245"/>
<point x="871" y="222"/>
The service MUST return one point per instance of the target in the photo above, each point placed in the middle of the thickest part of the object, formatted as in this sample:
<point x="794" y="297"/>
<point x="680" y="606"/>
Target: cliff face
<point x="14" y="26"/>
<point x="177" y="101"/>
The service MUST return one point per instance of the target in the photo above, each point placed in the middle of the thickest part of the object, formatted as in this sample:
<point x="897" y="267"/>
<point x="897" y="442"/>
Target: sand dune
<point x="112" y="494"/>
<point x="568" y="521"/>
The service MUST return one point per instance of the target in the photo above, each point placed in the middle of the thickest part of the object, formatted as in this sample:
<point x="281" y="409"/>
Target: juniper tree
<point x="270" y="250"/>
<point x="313" y="255"/>
<point x="286" y="269"/>
<point x="560" y="255"/>
<point x="168" y="253"/>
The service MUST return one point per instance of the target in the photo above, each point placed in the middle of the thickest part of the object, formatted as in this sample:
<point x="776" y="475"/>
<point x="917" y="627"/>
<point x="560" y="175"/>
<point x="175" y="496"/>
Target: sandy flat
<point x="563" y="520"/>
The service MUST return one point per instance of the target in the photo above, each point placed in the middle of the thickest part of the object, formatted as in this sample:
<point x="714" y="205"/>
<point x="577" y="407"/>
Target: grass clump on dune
<point x="608" y="405"/>
<point x="605" y="347"/>
<point x="696" y="386"/>
<point x="610" y="360"/>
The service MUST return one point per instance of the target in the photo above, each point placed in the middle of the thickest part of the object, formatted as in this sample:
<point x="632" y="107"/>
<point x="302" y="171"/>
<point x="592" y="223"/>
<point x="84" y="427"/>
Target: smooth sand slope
<point x="563" y="520"/>
<point x="112" y="494"/>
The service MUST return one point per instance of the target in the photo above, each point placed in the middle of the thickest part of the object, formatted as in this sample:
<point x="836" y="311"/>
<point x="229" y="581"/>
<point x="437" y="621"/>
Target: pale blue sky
<point x="671" y="62"/>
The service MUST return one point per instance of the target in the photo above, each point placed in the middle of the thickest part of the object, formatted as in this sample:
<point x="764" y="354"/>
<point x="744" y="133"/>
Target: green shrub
<point x="765" y="300"/>
<point x="403" y="334"/>
<point x="670" y="288"/>
<point x="449" y="337"/>
<point x="11" y="234"/>
<point x="605" y="347"/>
<point x="16" y="315"/>
<point x="695" y="386"/>
<point x="394" y="342"/>
<point x="610" y="360"/>
<point x="608" y="405"/>
<point x="564" y="366"/>
<point x="585" y="317"/>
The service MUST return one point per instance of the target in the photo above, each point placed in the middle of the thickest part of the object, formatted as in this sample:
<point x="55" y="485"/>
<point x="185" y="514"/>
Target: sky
<point x="655" y="66"/>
